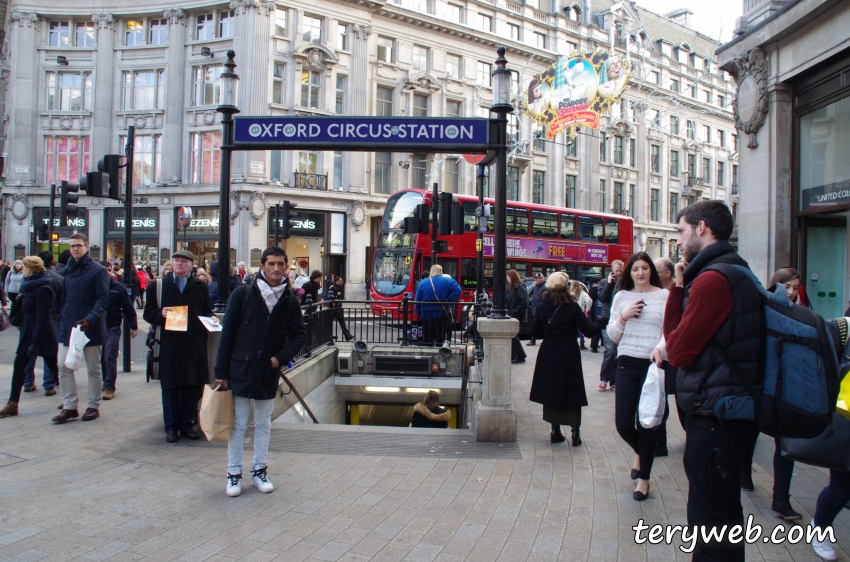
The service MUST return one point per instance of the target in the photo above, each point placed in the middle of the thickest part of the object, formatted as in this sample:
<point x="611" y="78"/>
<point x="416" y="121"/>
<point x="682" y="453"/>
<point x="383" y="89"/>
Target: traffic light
<point x="457" y="218"/>
<point x="92" y="183"/>
<point x="418" y="223"/>
<point x="111" y="166"/>
<point x="43" y="233"/>
<point x="445" y="202"/>
<point x="285" y="211"/>
<point x="68" y="201"/>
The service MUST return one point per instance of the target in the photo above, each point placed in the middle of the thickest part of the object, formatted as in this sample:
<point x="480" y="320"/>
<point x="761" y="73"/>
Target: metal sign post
<point x="128" y="239"/>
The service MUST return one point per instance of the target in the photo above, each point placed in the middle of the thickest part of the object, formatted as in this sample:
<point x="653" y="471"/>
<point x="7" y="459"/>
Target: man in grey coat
<point x="605" y="292"/>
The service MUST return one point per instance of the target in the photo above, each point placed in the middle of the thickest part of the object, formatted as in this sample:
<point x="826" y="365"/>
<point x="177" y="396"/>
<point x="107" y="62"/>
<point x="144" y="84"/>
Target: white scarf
<point x="271" y="295"/>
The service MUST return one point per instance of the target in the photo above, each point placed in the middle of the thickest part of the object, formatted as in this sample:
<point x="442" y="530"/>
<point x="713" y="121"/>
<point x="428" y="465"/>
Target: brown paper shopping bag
<point x="216" y="417"/>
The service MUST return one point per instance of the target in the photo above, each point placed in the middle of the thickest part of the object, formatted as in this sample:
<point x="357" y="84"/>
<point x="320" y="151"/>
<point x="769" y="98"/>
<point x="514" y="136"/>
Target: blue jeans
<point x="49" y="376"/>
<point x="262" y="431"/>
<point x="110" y="357"/>
<point x="609" y="359"/>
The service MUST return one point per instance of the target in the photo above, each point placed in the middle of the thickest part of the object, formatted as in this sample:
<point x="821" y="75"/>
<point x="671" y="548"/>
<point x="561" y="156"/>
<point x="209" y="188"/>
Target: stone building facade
<point x="79" y="75"/>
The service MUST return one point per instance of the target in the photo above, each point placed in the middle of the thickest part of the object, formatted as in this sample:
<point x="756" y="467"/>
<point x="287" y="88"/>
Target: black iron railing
<point x="311" y="181"/>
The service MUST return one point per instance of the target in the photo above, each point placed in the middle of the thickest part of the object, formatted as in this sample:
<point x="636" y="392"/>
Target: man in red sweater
<point x="706" y="316"/>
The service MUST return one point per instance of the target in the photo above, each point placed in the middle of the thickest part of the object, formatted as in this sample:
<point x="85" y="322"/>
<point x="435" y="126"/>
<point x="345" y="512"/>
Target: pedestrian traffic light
<point x="445" y="202"/>
<point x="93" y="182"/>
<point x="457" y="218"/>
<point x="285" y="212"/>
<point x="55" y="237"/>
<point x="418" y="223"/>
<point x="43" y="233"/>
<point x="111" y="166"/>
<point x="68" y="201"/>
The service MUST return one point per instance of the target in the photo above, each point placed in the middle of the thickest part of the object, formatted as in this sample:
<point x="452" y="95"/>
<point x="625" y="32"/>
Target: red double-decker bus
<point x="540" y="239"/>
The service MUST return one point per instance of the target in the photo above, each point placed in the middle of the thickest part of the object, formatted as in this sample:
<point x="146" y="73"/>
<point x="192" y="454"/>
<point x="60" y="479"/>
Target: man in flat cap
<point x="183" y="366"/>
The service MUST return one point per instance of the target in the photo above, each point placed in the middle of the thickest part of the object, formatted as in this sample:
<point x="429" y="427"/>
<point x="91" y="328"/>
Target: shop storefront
<point x="316" y="242"/>
<point x="145" y="235"/>
<point x="73" y="225"/>
<point x="200" y="236"/>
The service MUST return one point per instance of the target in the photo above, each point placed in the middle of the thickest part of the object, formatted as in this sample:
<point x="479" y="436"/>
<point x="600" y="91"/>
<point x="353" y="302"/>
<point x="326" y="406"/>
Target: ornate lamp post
<point x="501" y="107"/>
<point x="229" y="84"/>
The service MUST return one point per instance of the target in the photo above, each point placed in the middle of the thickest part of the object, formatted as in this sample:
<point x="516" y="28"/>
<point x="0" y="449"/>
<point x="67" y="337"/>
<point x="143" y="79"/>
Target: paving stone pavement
<point x="113" y="489"/>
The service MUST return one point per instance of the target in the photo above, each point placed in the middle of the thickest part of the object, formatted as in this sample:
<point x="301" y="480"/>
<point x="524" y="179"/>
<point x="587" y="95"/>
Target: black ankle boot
<point x="576" y="436"/>
<point x="556" y="436"/>
<point x="782" y="509"/>
<point x="747" y="483"/>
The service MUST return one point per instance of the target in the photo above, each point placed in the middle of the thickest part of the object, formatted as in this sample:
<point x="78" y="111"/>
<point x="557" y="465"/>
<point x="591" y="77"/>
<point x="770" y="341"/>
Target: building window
<point x="420" y="105"/>
<point x="656" y="77"/>
<point x="452" y="174"/>
<point x="308" y="162"/>
<point x="206" y="157"/>
<point x="540" y="40"/>
<point x="338" y="159"/>
<point x="692" y="165"/>
<point x="692" y="130"/>
<point x="674" y="125"/>
<point x="384" y="102"/>
<point x="513" y="183"/>
<point x="632" y="205"/>
<point x="707" y="94"/>
<point x="572" y="146"/>
<point x="67" y="158"/>
<point x="706" y="133"/>
<point x="158" y="31"/>
<point x="539" y="136"/>
<point x="204" y="27"/>
<point x="342" y="36"/>
<point x="632" y="153"/>
<point x="674" y="163"/>
<point x="513" y="129"/>
<point x="226" y="23"/>
<point x="655" y="158"/>
<point x="602" y="208"/>
<point x="453" y="108"/>
<point x="734" y="176"/>
<point x="570" y="191"/>
<point x="485" y="77"/>
<point x="453" y="66"/>
<point x="144" y="89"/>
<point x="68" y="91"/>
<point x="280" y="15"/>
<point x="454" y="13"/>
<point x="721" y="174"/>
<point x="420" y="57"/>
<point x="312" y="29"/>
<point x="85" y="34"/>
<point x="735" y="143"/>
<point x="147" y="158"/>
<point x="485" y="22"/>
<point x="694" y="91"/>
<point x="706" y="170"/>
<point x="341" y="86"/>
<point x="674" y="86"/>
<point x="674" y="206"/>
<point x="419" y="173"/>
<point x="383" y="172"/>
<point x="603" y="148"/>
<point x="513" y="31"/>
<point x="538" y="186"/>
<point x="618" y="149"/>
<point x="310" y="86"/>
<point x="721" y="138"/>
<point x="653" y="205"/>
<point x="207" y="90"/>
<point x="618" y="195"/>
<point x="721" y="101"/>
<point x="278" y="90"/>
<point x="134" y="33"/>
<point x="624" y="108"/>
<point x="385" y="49"/>
<point x="60" y="34"/>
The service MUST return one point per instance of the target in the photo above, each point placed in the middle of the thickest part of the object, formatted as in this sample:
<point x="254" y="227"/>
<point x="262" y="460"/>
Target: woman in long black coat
<point x="558" y="381"/>
<point x="516" y="301"/>
<point x="38" y="335"/>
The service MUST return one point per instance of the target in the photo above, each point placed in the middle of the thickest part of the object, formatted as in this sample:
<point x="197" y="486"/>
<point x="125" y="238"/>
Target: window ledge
<point x="57" y="113"/>
<point x="74" y="49"/>
<point x="282" y="38"/>
<point x="125" y="112"/>
<point x="312" y="111"/>
<point x="192" y="42"/>
<point x="141" y="47"/>
<point x="392" y="65"/>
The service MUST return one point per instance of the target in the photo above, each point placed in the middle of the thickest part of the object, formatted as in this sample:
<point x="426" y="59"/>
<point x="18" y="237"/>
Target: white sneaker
<point x="261" y="480"/>
<point x="234" y="485"/>
<point x="823" y="549"/>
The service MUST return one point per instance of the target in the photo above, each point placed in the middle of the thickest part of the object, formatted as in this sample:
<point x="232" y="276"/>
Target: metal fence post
<point x="404" y="312"/>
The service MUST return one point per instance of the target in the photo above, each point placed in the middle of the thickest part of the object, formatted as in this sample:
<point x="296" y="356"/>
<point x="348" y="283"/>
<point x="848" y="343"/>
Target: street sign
<point x="436" y="134"/>
<point x="474" y="158"/>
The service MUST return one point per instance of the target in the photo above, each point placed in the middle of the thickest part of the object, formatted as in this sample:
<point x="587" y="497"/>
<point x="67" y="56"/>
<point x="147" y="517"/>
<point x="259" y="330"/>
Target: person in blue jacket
<point x="38" y="329"/>
<point x="436" y="318"/>
<point x="119" y="305"/>
<point x="86" y="299"/>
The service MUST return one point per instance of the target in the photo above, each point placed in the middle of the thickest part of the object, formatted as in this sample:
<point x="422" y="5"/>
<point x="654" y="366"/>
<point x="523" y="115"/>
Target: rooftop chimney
<point x="680" y="16"/>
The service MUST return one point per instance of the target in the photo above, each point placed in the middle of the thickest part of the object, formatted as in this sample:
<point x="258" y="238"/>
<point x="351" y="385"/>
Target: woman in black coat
<point x="312" y="287"/>
<point x="428" y="412"/>
<point x="38" y="335"/>
<point x="558" y="381"/>
<point x="516" y="301"/>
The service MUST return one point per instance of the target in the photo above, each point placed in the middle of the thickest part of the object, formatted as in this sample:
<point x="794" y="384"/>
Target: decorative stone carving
<point x="66" y="123"/>
<point x="235" y="206"/>
<point x="257" y="205"/>
<point x="20" y="206"/>
<point x="750" y="105"/>
<point x="362" y="30"/>
<point x="267" y="7"/>
<point x="166" y="199"/>
<point x="141" y="121"/>
<point x="241" y="5"/>
<point x="209" y="117"/>
<point x="23" y="18"/>
<point x="96" y="201"/>
<point x="176" y="16"/>
<point x="104" y="21"/>
<point x="358" y="213"/>
<point x="317" y="57"/>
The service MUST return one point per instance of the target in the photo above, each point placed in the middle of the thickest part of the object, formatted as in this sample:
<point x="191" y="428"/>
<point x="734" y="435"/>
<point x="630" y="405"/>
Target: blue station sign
<point x="429" y="134"/>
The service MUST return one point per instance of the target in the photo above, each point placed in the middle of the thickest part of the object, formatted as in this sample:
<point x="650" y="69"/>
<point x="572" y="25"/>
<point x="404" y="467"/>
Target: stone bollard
<point x="495" y="416"/>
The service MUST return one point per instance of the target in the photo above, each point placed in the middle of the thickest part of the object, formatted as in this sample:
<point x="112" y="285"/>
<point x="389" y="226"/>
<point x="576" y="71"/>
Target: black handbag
<point x="16" y="313"/>
<point x="830" y="449"/>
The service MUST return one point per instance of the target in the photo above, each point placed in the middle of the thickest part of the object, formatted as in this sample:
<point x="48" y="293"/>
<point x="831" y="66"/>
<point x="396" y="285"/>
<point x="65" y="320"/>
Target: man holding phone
<point x="605" y="292"/>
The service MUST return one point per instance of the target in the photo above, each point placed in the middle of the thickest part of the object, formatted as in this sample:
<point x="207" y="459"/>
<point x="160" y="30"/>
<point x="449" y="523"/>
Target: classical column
<point x="360" y="93"/>
<point x="102" y="141"/>
<point x="175" y="98"/>
<point x="22" y="144"/>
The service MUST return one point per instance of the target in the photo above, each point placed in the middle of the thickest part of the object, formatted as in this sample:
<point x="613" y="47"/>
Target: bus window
<point x="590" y="229"/>
<point x="544" y="224"/>
<point x="469" y="273"/>
<point x="391" y="274"/>
<point x="568" y="227"/>
<point x="400" y="206"/>
<point x="612" y="231"/>
<point x="470" y="222"/>
<point x="520" y="266"/>
<point x="517" y="221"/>
<point x="449" y="266"/>
<point x="588" y="272"/>
<point x="488" y="273"/>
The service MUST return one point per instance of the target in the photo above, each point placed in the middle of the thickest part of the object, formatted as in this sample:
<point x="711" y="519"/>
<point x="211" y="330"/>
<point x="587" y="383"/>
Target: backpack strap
<point x="246" y="299"/>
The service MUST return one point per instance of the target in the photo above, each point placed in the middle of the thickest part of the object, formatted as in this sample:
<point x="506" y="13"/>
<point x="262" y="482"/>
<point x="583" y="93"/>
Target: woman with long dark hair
<point x="516" y="301"/>
<point x="637" y="316"/>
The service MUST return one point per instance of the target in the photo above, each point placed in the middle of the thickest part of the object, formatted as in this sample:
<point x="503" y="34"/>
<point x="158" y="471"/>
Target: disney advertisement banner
<point x="576" y="90"/>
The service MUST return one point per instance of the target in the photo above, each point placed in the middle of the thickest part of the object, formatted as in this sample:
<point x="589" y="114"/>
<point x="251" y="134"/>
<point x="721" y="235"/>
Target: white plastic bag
<point x="653" y="399"/>
<point x="74" y="357"/>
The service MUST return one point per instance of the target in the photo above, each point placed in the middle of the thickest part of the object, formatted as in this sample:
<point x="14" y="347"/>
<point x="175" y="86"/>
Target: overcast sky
<point x="713" y="18"/>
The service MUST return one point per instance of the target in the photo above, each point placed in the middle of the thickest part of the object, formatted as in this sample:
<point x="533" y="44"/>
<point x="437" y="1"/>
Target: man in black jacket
<point x="605" y="294"/>
<point x="263" y="330"/>
<point x="119" y="304"/>
<point x="49" y="378"/>
<point x="312" y="287"/>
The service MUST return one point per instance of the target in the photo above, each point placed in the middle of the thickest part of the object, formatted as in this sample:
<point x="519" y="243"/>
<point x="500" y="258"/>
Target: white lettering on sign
<point x="200" y="223"/>
<point x="363" y="131"/>
<point x="72" y="221"/>
<point x="514" y="249"/>
<point x="309" y="225"/>
<point x="137" y="223"/>
<point x="833" y="196"/>
<point x="22" y="169"/>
